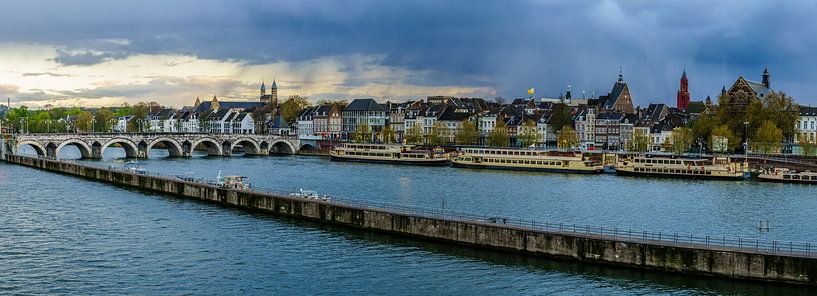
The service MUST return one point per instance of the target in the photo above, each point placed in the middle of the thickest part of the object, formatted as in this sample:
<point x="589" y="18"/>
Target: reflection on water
<point x="67" y="235"/>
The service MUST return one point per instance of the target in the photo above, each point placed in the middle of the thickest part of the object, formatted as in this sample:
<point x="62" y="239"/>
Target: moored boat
<point x="784" y="175"/>
<point x="383" y="153"/>
<point x="718" y="168"/>
<point x="526" y="160"/>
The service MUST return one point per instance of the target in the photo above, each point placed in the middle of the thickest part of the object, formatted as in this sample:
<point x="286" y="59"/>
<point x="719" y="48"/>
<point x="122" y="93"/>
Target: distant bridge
<point x="93" y="145"/>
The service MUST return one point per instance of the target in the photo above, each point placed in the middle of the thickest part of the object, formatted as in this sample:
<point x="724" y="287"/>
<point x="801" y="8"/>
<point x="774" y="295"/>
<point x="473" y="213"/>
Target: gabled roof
<point x="205" y="106"/>
<point x="279" y="123"/>
<point x="760" y="89"/>
<point x="618" y="88"/>
<point x="364" y="105"/>
<point x="696" y="107"/>
<point x="450" y="115"/>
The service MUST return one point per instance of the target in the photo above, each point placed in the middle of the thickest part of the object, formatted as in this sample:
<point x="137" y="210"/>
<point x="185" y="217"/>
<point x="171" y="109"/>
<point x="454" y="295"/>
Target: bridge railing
<point x="689" y="240"/>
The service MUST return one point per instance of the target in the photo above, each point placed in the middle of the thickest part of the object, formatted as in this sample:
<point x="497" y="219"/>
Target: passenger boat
<point x="718" y="167"/>
<point x="233" y="182"/>
<point x="526" y="160"/>
<point x="134" y="167"/>
<point x="383" y="153"/>
<point x="784" y="175"/>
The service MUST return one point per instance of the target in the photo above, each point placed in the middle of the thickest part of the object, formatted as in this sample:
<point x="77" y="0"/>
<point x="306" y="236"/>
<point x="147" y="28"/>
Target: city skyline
<point x="175" y="52"/>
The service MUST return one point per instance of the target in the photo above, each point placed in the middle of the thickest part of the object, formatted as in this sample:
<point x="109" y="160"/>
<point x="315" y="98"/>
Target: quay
<point x="749" y="259"/>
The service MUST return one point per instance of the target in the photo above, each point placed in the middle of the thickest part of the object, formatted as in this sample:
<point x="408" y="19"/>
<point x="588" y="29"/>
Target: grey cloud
<point x="52" y="74"/>
<point x="510" y="45"/>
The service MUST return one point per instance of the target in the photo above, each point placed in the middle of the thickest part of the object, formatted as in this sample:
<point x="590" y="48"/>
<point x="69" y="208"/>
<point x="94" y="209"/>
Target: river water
<point x="64" y="235"/>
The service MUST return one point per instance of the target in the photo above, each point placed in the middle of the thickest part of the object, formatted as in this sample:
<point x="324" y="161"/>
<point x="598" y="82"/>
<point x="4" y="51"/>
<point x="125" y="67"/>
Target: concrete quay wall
<point x="572" y="246"/>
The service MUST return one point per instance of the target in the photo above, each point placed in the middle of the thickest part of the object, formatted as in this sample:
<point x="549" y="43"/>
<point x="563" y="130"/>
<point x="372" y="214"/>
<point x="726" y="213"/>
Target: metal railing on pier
<point x="675" y="239"/>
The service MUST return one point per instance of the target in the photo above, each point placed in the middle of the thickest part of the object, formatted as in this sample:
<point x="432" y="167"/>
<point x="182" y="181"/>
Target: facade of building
<point x="363" y="112"/>
<point x="619" y="98"/>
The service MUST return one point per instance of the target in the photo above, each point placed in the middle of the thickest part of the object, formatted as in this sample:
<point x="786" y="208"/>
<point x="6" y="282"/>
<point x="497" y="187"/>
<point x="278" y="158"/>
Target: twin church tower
<point x="272" y="97"/>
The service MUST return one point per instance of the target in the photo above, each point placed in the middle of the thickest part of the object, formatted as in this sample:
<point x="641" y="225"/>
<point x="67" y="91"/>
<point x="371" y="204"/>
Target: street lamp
<point x="93" y="125"/>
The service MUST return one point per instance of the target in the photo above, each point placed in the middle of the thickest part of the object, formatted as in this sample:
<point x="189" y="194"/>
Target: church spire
<point x="263" y="88"/>
<point x="620" y="75"/>
<point x="766" y="75"/>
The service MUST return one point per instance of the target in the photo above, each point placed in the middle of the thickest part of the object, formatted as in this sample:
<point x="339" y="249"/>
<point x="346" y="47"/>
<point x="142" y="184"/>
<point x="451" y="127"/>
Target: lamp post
<point x="746" y="136"/>
<point x="93" y="125"/>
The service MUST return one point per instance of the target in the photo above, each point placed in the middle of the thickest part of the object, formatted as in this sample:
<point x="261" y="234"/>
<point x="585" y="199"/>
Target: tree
<point x="140" y="113"/>
<point x="292" y="107"/>
<point x="768" y="138"/>
<point x="640" y="142"/>
<point x="83" y="121"/>
<point x="561" y="116"/>
<point x="414" y="135"/>
<point x="438" y="135"/>
<point x="528" y="134"/>
<point x="39" y="122"/>
<point x="722" y="139"/>
<point x="567" y="138"/>
<point x="389" y="135"/>
<point x="681" y="138"/>
<point x="500" y="100"/>
<point x="467" y="134"/>
<point x="498" y="136"/>
<point x="103" y="118"/>
<point x="362" y="133"/>
<point x="808" y="147"/>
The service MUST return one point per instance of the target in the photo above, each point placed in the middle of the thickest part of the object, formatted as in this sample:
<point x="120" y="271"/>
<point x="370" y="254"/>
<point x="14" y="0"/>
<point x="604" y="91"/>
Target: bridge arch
<point x="282" y="147"/>
<point x="131" y="148"/>
<point x="251" y="147"/>
<point x="38" y="148"/>
<point x="307" y="146"/>
<point x="85" y="151"/>
<point x="213" y="146"/>
<point x="174" y="148"/>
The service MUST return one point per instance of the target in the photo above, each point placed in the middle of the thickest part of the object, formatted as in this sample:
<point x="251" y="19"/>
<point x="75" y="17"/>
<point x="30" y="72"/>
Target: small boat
<point x="784" y="175"/>
<point x="233" y="182"/>
<point x="134" y="167"/>
<point x="716" y="168"/>
<point x="526" y="160"/>
<point x="394" y="154"/>
<point x="308" y="194"/>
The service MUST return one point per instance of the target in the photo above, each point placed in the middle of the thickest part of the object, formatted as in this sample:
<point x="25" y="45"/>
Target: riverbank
<point x="644" y="250"/>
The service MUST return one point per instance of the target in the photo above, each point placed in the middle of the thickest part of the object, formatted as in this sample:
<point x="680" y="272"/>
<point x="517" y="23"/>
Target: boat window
<point x="814" y="178"/>
<point x="796" y="177"/>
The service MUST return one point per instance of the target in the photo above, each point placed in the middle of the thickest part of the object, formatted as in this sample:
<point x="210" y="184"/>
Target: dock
<point x="727" y="257"/>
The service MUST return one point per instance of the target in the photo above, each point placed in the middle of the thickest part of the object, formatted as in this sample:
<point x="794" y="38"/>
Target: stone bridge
<point x="93" y="145"/>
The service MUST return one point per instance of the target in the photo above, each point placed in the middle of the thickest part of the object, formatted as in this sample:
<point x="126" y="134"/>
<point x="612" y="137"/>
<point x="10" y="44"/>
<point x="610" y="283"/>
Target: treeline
<point x="76" y="119"/>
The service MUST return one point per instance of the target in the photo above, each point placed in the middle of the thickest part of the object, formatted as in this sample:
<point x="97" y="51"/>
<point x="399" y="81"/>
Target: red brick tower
<point x="683" y="93"/>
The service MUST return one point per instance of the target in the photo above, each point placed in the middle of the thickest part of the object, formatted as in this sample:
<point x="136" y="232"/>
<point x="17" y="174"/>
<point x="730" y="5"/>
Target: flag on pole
<point x="530" y="91"/>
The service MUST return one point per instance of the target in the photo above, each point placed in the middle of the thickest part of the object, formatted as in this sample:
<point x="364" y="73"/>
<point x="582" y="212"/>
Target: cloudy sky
<point x="94" y="53"/>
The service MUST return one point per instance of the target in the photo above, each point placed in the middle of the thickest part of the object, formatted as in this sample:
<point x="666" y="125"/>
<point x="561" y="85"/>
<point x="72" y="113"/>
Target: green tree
<point x="722" y="139"/>
<point x="567" y="138"/>
<point x="499" y="136"/>
<point x="140" y="113"/>
<point x="83" y="121"/>
<point x="438" y="135"/>
<point x="768" y="138"/>
<point x="103" y="120"/>
<point x="362" y="133"/>
<point x="640" y="142"/>
<point x="528" y="134"/>
<point x="561" y="116"/>
<point x="389" y="135"/>
<point x="807" y="147"/>
<point x="681" y="138"/>
<point x="467" y="134"/>
<point x="39" y="122"/>
<point x="414" y="135"/>
<point x="292" y="107"/>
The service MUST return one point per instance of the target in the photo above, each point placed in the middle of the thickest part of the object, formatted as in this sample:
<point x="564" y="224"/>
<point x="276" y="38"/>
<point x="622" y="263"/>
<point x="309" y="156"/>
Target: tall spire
<point x="263" y="88"/>
<point x="620" y="75"/>
<point x="766" y="75"/>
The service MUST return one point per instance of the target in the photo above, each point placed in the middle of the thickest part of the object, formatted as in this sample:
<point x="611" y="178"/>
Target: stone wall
<point x="584" y="248"/>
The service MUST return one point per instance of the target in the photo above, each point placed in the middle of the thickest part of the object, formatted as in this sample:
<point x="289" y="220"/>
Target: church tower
<point x="683" y="97"/>
<point x="766" y="81"/>
<point x="273" y="95"/>
<point x="263" y="89"/>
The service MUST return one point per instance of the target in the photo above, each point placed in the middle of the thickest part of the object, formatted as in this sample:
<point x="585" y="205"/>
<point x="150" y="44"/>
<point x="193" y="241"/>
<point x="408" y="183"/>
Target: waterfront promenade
<point x="697" y="254"/>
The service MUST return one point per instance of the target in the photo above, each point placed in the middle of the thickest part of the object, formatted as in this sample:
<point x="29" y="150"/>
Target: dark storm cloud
<point x="510" y="45"/>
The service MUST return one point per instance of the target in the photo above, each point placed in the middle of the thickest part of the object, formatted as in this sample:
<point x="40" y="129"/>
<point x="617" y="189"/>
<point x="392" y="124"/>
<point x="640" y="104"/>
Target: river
<point x="61" y="234"/>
